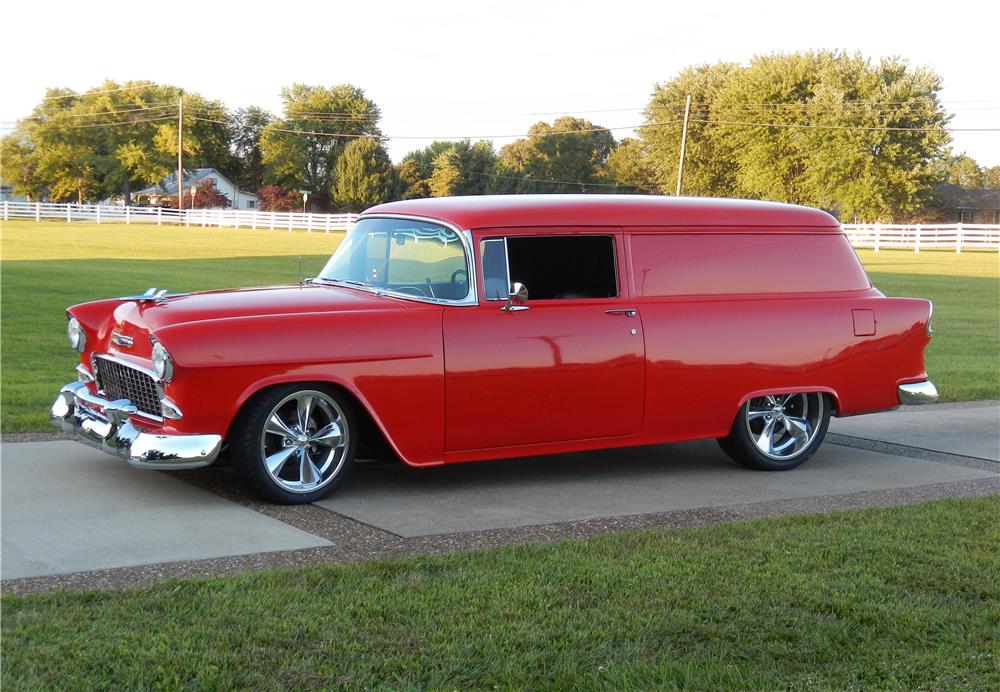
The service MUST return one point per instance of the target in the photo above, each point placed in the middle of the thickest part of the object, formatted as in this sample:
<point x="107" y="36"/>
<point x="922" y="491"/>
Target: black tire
<point x="256" y="438"/>
<point x="744" y="445"/>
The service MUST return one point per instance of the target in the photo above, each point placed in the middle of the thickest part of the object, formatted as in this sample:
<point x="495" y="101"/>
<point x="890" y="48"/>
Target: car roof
<point x="512" y="211"/>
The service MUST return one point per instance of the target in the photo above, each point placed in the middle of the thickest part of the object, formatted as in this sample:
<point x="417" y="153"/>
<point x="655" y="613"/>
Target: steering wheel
<point x="454" y="276"/>
<point x="415" y="290"/>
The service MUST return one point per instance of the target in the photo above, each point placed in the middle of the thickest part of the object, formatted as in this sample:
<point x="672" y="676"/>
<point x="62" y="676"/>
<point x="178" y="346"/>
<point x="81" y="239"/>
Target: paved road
<point x="71" y="515"/>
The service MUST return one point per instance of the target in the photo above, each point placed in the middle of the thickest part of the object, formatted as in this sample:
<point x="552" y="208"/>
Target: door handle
<point x="628" y="312"/>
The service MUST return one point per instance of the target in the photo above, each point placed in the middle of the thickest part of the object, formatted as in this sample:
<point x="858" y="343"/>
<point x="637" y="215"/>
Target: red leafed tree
<point x="206" y="196"/>
<point x="274" y="198"/>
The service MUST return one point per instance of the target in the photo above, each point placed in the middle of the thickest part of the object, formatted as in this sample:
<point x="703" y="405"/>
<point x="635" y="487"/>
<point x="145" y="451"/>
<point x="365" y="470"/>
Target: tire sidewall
<point x="248" y="460"/>
<point x="741" y="447"/>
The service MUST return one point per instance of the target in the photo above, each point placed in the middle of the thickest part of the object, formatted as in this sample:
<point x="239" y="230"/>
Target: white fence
<point x="919" y="237"/>
<point x="915" y="237"/>
<point x="204" y="218"/>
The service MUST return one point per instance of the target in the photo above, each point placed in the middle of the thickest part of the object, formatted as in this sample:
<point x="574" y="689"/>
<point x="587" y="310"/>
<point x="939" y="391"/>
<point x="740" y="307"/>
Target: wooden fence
<point x="919" y="237"/>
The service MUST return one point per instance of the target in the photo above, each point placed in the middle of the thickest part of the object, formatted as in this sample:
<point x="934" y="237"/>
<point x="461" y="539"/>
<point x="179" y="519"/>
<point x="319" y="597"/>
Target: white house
<point x="167" y="187"/>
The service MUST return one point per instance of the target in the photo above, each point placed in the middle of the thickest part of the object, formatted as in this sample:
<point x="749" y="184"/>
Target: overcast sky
<point x="468" y="68"/>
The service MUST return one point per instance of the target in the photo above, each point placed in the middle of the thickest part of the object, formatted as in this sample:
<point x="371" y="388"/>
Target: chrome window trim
<point x="614" y="258"/>
<point x="464" y="236"/>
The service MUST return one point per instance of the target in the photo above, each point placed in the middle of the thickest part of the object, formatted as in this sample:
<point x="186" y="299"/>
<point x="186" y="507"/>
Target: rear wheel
<point x="295" y="443"/>
<point x="779" y="431"/>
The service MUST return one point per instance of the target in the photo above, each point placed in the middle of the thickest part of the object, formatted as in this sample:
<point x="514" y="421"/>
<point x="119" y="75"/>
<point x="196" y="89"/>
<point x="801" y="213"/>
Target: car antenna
<point x="301" y="280"/>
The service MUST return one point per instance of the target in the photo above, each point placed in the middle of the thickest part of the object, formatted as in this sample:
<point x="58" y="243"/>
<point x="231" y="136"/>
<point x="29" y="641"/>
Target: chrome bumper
<point x="918" y="393"/>
<point x="105" y="424"/>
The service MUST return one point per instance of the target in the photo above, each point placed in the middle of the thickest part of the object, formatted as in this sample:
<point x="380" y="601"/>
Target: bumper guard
<point x="105" y="425"/>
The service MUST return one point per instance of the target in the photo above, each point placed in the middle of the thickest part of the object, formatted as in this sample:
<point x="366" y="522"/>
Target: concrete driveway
<point x="74" y="516"/>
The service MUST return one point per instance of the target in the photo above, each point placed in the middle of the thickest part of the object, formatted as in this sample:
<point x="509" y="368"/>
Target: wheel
<point x="295" y="443"/>
<point x="778" y="432"/>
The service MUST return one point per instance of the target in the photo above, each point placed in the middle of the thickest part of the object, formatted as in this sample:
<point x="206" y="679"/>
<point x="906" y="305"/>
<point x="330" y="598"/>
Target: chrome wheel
<point x="782" y="426"/>
<point x="305" y="440"/>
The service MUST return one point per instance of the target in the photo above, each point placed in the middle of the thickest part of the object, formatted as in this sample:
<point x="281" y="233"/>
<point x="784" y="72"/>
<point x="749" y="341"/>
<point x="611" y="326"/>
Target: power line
<point x="145" y="85"/>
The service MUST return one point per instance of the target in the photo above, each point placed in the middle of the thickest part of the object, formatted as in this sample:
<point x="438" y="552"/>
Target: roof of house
<point x="168" y="186"/>
<point x="507" y="211"/>
<point x="955" y="197"/>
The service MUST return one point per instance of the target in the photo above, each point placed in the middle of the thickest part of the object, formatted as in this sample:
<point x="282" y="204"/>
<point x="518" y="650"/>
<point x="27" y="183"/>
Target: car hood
<point x="257" y="302"/>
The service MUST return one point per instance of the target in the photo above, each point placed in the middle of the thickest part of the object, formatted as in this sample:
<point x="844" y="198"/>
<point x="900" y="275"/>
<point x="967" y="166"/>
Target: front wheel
<point x="778" y="432"/>
<point x="295" y="443"/>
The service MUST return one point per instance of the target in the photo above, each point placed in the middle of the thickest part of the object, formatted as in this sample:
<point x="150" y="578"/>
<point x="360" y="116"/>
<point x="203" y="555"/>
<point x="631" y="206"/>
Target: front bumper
<point x="105" y="424"/>
<point x="918" y="393"/>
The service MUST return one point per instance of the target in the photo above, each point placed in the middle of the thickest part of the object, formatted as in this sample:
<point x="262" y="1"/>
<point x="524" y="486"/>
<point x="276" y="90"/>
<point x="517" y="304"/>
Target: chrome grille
<point x="115" y="380"/>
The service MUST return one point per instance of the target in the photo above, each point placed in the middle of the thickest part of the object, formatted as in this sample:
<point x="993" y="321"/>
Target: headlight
<point x="77" y="337"/>
<point x="163" y="364"/>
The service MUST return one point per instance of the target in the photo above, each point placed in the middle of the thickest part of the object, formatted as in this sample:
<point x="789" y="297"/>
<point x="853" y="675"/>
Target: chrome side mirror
<point x="516" y="298"/>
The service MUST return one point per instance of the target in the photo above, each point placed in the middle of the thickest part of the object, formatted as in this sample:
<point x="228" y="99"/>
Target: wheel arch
<point x="830" y="392"/>
<point x="373" y="433"/>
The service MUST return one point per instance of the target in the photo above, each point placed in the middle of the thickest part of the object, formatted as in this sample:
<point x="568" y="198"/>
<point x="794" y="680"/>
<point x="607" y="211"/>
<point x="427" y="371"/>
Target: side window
<point x="495" y="278"/>
<point x="551" y="267"/>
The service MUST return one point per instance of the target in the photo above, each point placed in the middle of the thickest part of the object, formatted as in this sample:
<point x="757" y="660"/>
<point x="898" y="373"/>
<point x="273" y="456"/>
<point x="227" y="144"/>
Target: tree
<point x="363" y="177"/>
<point x="248" y="125"/>
<point x="820" y="128"/>
<point x="991" y="177"/>
<point x="110" y="139"/>
<point x="708" y="156"/>
<point x="463" y="169"/>
<point x="274" y="198"/>
<point x="963" y="171"/>
<point x="206" y="196"/>
<point x="416" y="169"/>
<point x="566" y="156"/>
<point x="300" y="150"/>
<point x="629" y="167"/>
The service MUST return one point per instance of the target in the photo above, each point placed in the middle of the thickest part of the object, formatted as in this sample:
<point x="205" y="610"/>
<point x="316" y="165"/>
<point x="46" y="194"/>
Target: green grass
<point x="905" y="598"/>
<point x="48" y="266"/>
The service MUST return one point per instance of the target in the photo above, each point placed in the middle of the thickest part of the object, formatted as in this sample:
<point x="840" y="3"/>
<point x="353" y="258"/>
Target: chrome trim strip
<point x="918" y="393"/>
<point x="84" y="375"/>
<point x="170" y="409"/>
<point x="121" y="339"/>
<point x="111" y="431"/>
<point x="929" y="329"/>
<point x="466" y="239"/>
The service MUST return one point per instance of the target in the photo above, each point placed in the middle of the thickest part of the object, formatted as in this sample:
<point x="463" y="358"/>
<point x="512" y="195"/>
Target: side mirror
<point x="516" y="298"/>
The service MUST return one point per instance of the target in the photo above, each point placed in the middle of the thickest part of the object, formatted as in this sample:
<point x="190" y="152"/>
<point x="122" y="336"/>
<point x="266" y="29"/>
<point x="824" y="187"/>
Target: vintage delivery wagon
<point x="459" y="329"/>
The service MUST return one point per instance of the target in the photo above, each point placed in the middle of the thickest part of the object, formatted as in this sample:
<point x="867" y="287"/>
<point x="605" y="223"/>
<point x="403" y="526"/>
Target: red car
<point x="459" y="329"/>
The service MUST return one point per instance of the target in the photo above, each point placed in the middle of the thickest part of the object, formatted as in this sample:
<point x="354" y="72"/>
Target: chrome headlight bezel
<point x="75" y="334"/>
<point x="163" y="364"/>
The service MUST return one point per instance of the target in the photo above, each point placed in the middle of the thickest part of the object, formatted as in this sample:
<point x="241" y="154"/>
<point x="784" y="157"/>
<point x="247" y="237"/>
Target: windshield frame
<point x="464" y="236"/>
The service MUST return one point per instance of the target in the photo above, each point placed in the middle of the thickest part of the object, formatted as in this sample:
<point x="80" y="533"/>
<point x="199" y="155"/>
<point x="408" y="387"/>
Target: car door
<point x="568" y="365"/>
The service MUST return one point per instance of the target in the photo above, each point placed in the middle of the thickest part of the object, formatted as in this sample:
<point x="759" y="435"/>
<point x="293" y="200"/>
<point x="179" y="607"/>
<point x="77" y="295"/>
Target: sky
<point x="472" y="69"/>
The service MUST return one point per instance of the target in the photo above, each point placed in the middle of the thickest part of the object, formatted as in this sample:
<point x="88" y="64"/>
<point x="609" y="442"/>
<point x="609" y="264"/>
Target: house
<point x="7" y="193"/>
<point x="167" y="188"/>
<point x="967" y="205"/>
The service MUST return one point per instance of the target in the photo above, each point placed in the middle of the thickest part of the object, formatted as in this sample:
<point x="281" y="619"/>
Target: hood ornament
<point x="153" y="294"/>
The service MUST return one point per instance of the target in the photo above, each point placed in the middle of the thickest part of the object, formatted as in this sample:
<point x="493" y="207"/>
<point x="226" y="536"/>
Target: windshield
<point x="410" y="257"/>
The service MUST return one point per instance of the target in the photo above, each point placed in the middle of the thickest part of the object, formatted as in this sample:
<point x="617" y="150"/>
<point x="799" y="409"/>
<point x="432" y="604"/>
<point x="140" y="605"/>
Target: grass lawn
<point x="50" y="265"/>
<point x="905" y="598"/>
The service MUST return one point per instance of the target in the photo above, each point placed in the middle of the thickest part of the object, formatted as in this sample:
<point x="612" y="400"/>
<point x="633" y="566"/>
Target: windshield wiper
<point x="350" y="282"/>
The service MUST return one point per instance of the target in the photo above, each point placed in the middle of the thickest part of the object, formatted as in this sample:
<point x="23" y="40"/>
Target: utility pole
<point x="180" y="152"/>
<point x="684" y="135"/>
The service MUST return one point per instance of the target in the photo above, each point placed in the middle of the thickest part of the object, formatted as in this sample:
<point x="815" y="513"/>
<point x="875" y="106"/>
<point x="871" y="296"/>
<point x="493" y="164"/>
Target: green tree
<point x="363" y="177"/>
<point x="963" y="171"/>
<point x="628" y="166"/>
<point x="112" y="138"/>
<point x="822" y="128"/>
<point x="566" y="156"/>
<point x="248" y="125"/>
<point x="301" y="149"/>
<point x="991" y="177"/>
<point x="463" y="169"/>
<point x="708" y="156"/>
<point x="417" y="168"/>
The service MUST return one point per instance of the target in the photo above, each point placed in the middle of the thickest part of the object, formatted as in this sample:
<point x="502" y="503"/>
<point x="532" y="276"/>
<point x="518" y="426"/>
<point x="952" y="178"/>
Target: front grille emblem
<point x="121" y="339"/>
